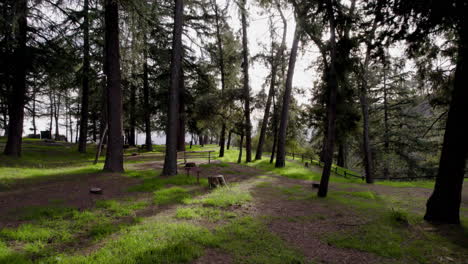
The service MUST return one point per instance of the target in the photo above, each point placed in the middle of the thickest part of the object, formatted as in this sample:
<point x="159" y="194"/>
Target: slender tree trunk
<point x="51" y="116"/>
<point x="444" y="203"/>
<point x="170" y="161"/>
<point x="132" y="134"/>
<point x="283" y="126"/>
<point x="274" y="128"/>
<point x="18" y="95"/>
<point x="266" y="115"/>
<point x="386" y="126"/>
<point x="332" y="85"/>
<point x="34" y="112"/>
<point x="219" y="43"/>
<point x="365" y="136"/>
<point x="239" y="159"/>
<point x="85" y="85"/>
<point x="229" y="139"/>
<point x="114" y="157"/>
<point x="146" y="95"/>
<point x="341" y="161"/>
<point x="57" y="116"/>
<point x="181" y="129"/>
<point x="245" y="64"/>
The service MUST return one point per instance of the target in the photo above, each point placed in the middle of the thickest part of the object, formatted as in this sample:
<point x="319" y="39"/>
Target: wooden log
<point x="216" y="181"/>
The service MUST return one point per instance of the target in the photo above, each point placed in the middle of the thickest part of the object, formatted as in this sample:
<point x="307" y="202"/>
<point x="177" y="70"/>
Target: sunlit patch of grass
<point x="207" y="213"/>
<point x="408" y="184"/>
<point x="28" y="233"/>
<point x="153" y="242"/>
<point x="224" y="197"/>
<point x="171" y="195"/>
<point x="250" y="241"/>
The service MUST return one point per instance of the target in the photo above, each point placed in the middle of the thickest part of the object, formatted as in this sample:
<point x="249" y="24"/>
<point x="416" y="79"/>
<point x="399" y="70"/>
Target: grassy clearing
<point x="224" y="197"/>
<point x="399" y="235"/>
<point x="171" y="195"/>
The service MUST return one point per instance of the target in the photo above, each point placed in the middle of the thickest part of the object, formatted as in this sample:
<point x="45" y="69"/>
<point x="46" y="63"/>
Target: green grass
<point x="406" y="184"/>
<point x="152" y="242"/>
<point x="28" y="233"/>
<point x="250" y="241"/>
<point x="207" y="213"/>
<point x="121" y="208"/>
<point x="224" y="197"/>
<point x="171" y="195"/>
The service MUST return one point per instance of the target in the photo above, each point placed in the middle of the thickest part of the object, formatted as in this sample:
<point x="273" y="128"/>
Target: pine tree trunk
<point x="146" y="95"/>
<point x="170" y="160"/>
<point x="57" y="116"/>
<point x="181" y="129"/>
<point x="132" y="134"/>
<point x="219" y="43"/>
<point x="245" y="64"/>
<point x="114" y="157"/>
<point x="332" y="85"/>
<point x="365" y="132"/>
<point x="386" y="127"/>
<point x="84" y="113"/>
<point x="239" y="159"/>
<point x="229" y="139"/>
<point x="18" y="95"/>
<point x="283" y="126"/>
<point x="444" y="203"/>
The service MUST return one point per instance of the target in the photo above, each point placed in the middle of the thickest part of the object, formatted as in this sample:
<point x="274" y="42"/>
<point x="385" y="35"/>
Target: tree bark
<point x="132" y="123"/>
<point x="239" y="159"/>
<point x="146" y="95"/>
<point x="245" y="64"/>
<point x="332" y="85"/>
<point x="57" y="116"/>
<point x="219" y="40"/>
<point x="229" y="139"/>
<point x="114" y="157"/>
<point x="444" y="203"/>
<point x="386" y="126"/>
<point x="283" y="126"/>
<point x="18" y="95"/>
<point x="170" y="160"/>
<point x="84" y="113"/>
<point x="181" y="129"/>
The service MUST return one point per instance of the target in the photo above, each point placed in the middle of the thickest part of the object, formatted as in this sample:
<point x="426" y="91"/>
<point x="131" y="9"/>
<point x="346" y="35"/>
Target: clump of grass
<point x="47" y="212"/>
<point x="119" y="209"/>
<point x="251" y="242"/>
<point x="171" y="195"/>
<point x="28" y="233"/>
<point x="224" y="197"/>
<point x="210" y="214"/>
<point x="399" y="216"/>
<point x="103" y="229"/>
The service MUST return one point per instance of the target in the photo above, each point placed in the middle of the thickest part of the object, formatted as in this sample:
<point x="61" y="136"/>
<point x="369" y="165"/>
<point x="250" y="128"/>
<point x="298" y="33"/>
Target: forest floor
<point x="265" y="215"/>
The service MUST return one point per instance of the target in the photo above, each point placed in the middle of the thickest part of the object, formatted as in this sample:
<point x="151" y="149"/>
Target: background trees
<point x="387" y="77"/>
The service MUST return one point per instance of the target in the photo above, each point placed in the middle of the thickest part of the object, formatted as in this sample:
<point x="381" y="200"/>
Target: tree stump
<point x="216" y="181"/>
<point x="95" y="190"/>
<point x="306" y="165"/>
<point x="315" y="185"/>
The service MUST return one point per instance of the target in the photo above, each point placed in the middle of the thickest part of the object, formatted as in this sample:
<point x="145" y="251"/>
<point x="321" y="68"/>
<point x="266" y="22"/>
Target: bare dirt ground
<point x="302" y="223"/>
